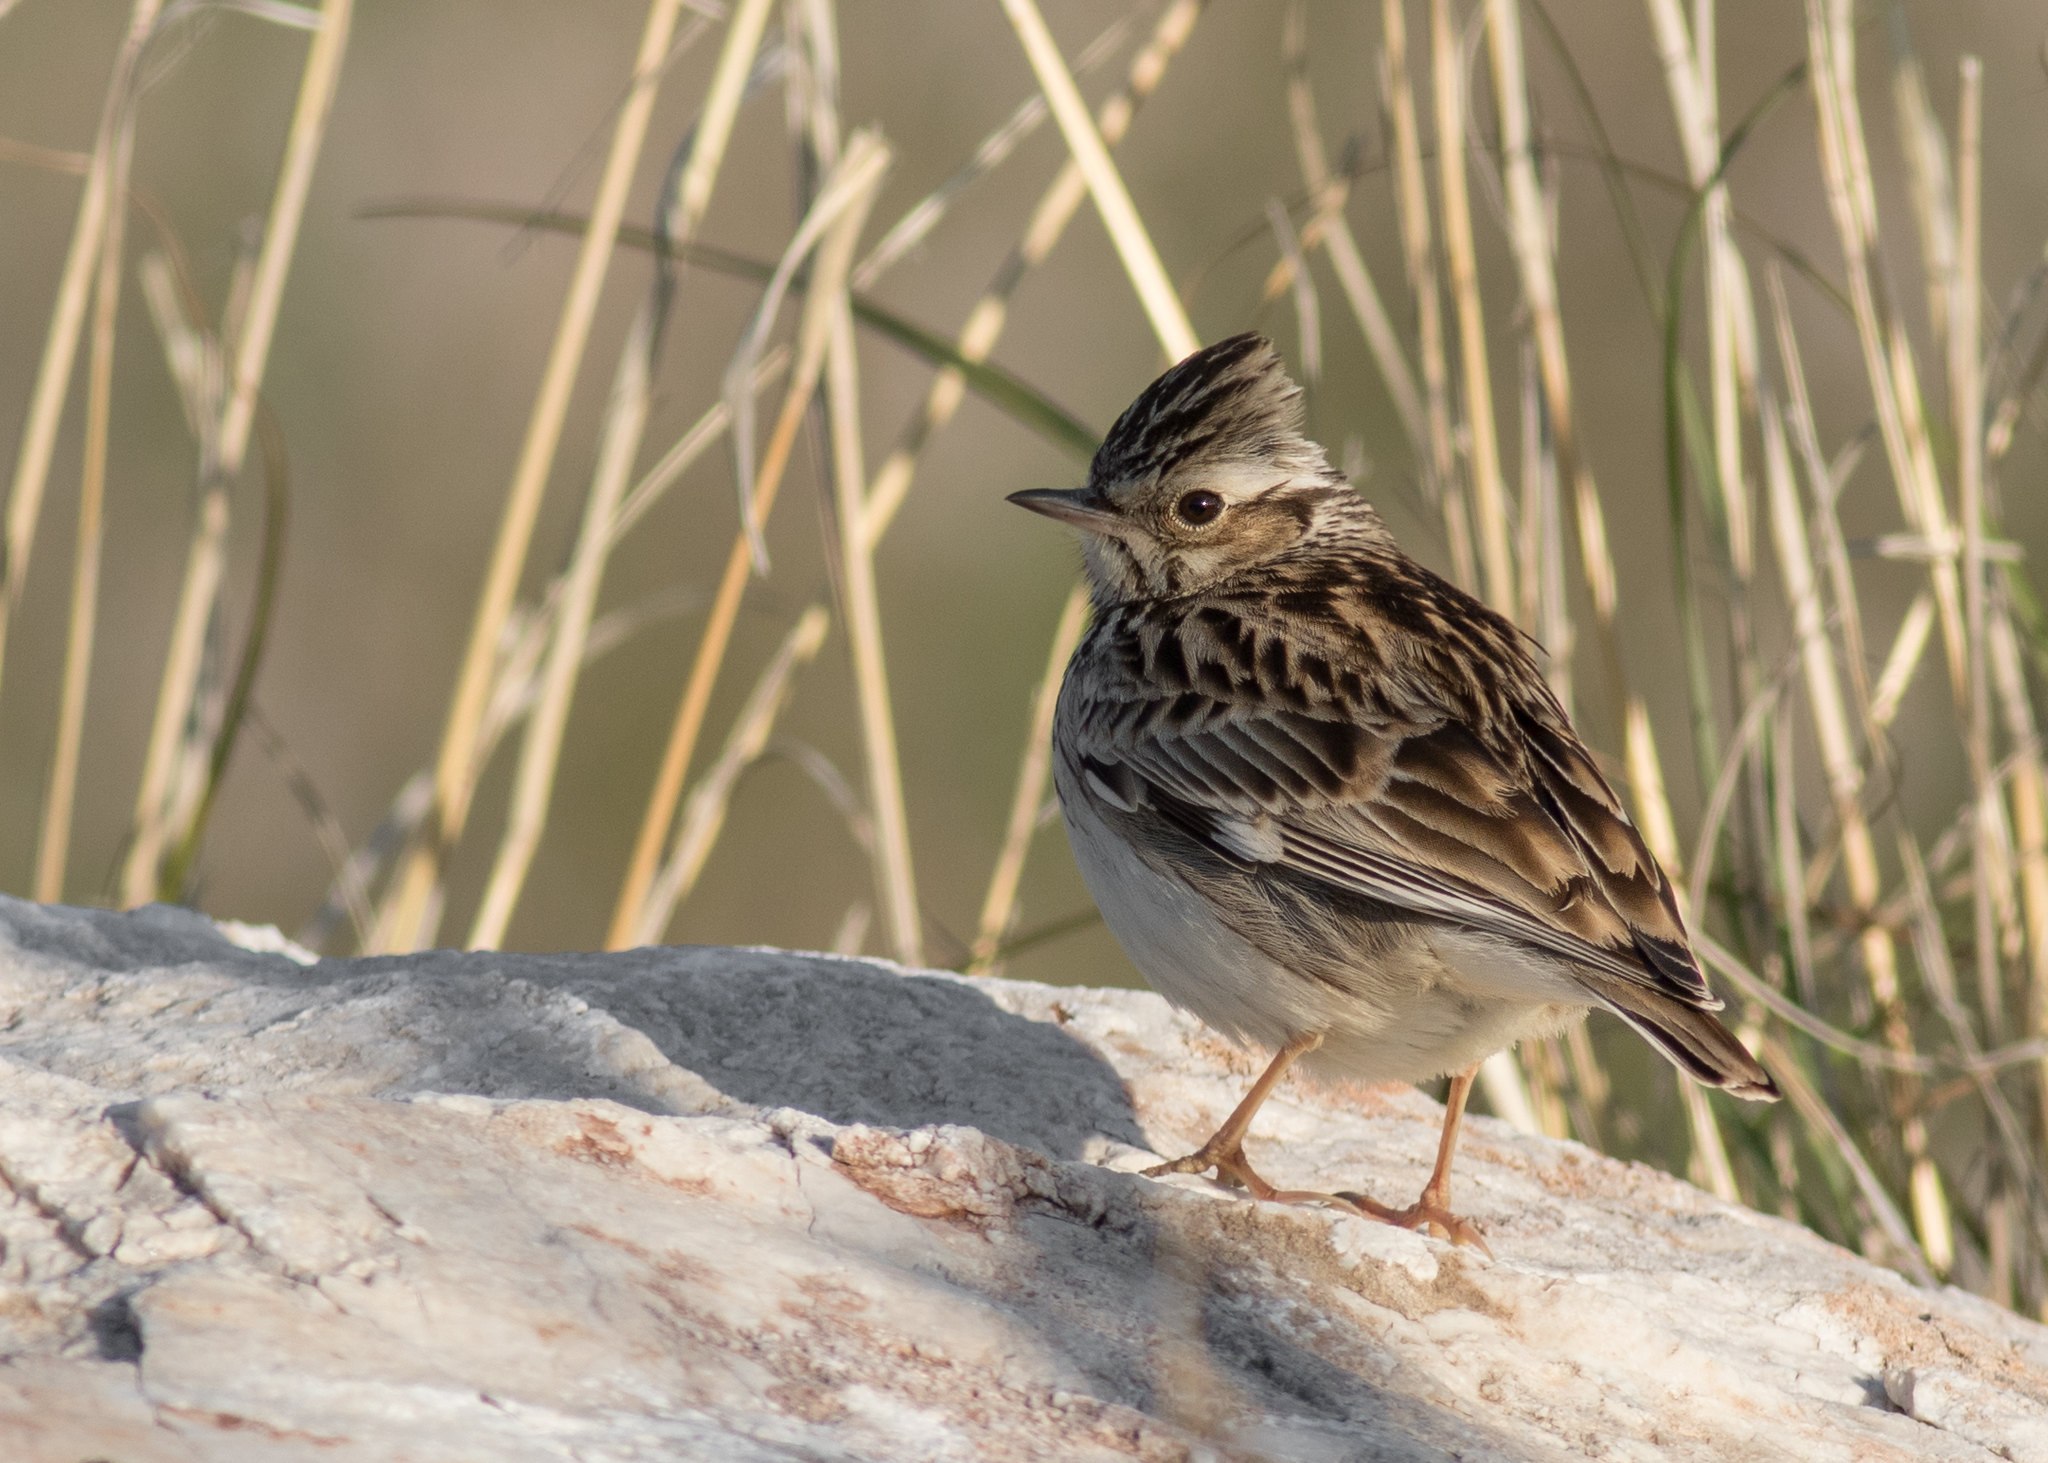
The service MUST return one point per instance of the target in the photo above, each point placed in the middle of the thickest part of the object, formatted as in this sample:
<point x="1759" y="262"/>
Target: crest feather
<point x="1231" y="402"/>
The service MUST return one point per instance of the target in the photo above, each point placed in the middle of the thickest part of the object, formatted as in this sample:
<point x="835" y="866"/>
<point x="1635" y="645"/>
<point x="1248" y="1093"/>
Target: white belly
<point x="1444" y="1001"/>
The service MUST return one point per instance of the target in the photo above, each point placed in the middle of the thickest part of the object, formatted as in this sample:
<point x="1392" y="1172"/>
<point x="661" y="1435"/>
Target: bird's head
<point x="1204" y="475"/>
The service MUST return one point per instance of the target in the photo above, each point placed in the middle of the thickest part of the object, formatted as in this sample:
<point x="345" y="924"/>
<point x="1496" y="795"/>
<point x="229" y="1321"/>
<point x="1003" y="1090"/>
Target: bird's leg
<point x="1433" y="1209"/>
<point x="1224" y="1151"/>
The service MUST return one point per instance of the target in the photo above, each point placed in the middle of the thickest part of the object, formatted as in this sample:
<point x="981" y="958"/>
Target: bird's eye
<point x="1199" y="507"/>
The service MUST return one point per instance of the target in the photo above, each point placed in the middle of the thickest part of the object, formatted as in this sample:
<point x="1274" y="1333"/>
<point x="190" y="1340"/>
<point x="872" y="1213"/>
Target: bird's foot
<point x="1431" y="1214"/>
<point x="1233" y="1170"/>
<point x="1228" y="1162"/>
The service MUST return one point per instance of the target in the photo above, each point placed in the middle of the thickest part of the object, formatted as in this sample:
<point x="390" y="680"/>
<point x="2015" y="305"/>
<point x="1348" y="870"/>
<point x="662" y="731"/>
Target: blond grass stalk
<point x="1646" y="787"/>
<point x="624" y="428"/>
<point x="191" y="355"/>
<point x="1292" y="266"/>
<point x="1550" y="619"/>
<point x="513" y="695"/>
<point x="54" y="845"/>
<point x="682" y="455"/>
<point x="1090" y="160"/>
<point x="1788" y="859"/>
<point x="1930" y="944"/>
<point x="1540" y="1062"/>
<point x="921" y="218"/>
<point x="1489" y="490"/>
<point x="895" y="877"/>
<point x="1814" y="1111"/>
<point x="1927" y="177"/>
<point x="258" y="319"/>
<point x="1748" y="736"/>
<point x="156" y="799"/>
<point x="540" y="748"/>
<point x="1844" y="777"/>
<point x="410" y="913"/>
<point x="1902" y="661"/>
<point x="892" y="480"/>
<point x="840" y="191"/>
<point x="1687" y="54"/>
<point x="1418" y="250"/>
<point x="1531" y="236"/>
<point x="1887" y="356"/>
<point x="1534" y="248"/>
<point x="1534" y="462"/>
<point x="1329" y="228"/>
<point x="844" y="202"/>
<point x="999" y="905"/>
<point x="67" y="322"/>
<point x="1105" y="184"/>
<point x="704" y="815"/>
<point x="1056" y="209"/>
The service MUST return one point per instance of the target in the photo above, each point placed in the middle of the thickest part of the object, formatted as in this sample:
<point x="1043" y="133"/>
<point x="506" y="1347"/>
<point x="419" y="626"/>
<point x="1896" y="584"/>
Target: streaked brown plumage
<point x="1325" y="798"/>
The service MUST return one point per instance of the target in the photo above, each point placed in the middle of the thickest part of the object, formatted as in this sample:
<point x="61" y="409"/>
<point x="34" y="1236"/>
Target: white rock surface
<point x="747" y="1205"/>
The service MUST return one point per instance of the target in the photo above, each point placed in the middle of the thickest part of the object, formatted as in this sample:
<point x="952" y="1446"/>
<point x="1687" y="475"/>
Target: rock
<point x="749" y="1205"/>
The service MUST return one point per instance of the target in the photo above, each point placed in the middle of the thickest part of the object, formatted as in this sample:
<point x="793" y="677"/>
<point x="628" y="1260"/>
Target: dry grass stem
<point x="410" y="911"/>
<point x="620" y="437"/>
<point x="896" y="885"/>
<point x="67" y="323"/>
<point x="1034" y="769"/>
<point x="54" y="845"/>
<point x="1887" y="356"/>
<point x="1328" y="227"/>
<point x="1105" y="184"/>
<point x="861" y="165"/>
<point x="918" y="222"/>
<point x="1055" y="210"/>
<point x="710" y="801"/>
<point x="1440" y="465"/>
<point x="163" y="795"/>
<point x="1482" y="445"/>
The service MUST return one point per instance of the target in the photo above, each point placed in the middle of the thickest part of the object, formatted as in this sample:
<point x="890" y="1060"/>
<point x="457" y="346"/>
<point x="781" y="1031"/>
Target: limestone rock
<point x="750" y="1205"/>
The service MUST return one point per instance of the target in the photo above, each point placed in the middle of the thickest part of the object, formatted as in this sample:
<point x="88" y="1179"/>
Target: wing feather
<point x="1417" y="814"/>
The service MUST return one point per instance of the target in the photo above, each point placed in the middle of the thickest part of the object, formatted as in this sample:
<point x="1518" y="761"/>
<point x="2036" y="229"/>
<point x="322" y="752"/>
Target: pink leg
<point x="1224" y="1151"/>
<point x="1433" y="1209"/>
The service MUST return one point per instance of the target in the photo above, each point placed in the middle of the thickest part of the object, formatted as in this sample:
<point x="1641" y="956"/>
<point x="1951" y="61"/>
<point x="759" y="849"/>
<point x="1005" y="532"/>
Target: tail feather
<point x="1691" y="1039"/>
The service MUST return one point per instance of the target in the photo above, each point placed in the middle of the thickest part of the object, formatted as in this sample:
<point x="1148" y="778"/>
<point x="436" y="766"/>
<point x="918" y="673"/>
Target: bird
<point x="1326" y="800"/>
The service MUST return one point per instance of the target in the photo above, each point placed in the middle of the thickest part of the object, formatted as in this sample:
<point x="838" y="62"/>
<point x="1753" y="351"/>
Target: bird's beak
<point x="1082" y="507"/>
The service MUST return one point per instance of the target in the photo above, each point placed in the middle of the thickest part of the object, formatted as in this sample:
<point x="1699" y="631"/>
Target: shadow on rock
<point x="859" y="1042"/>
<point x="852" y="1041"/>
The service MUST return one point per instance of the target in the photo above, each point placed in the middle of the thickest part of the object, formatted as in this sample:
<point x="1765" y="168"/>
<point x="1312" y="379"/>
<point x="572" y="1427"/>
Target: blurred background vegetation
<point x="1710" y="346"/>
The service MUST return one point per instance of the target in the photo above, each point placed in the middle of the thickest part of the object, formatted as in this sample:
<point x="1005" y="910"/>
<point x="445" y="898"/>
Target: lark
<point x="1324" y="798"/>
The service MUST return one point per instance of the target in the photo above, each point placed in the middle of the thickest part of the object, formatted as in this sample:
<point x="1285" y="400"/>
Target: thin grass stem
<point x="846" y="203"/>
<point x="1105" y="184"/>
<point x="54" y="844"/>
<point x="1411" y="194"/>
<point x="1027" y="801"/>
<point x="620" y="437"/>
<point x="67" y="323"/>
<point x="1482" y="449"/>
<point x="1329" y="227"/>
<point x="410" y="913"/>
<point x="705" y="814"/>
<point x="162" y="797"/>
